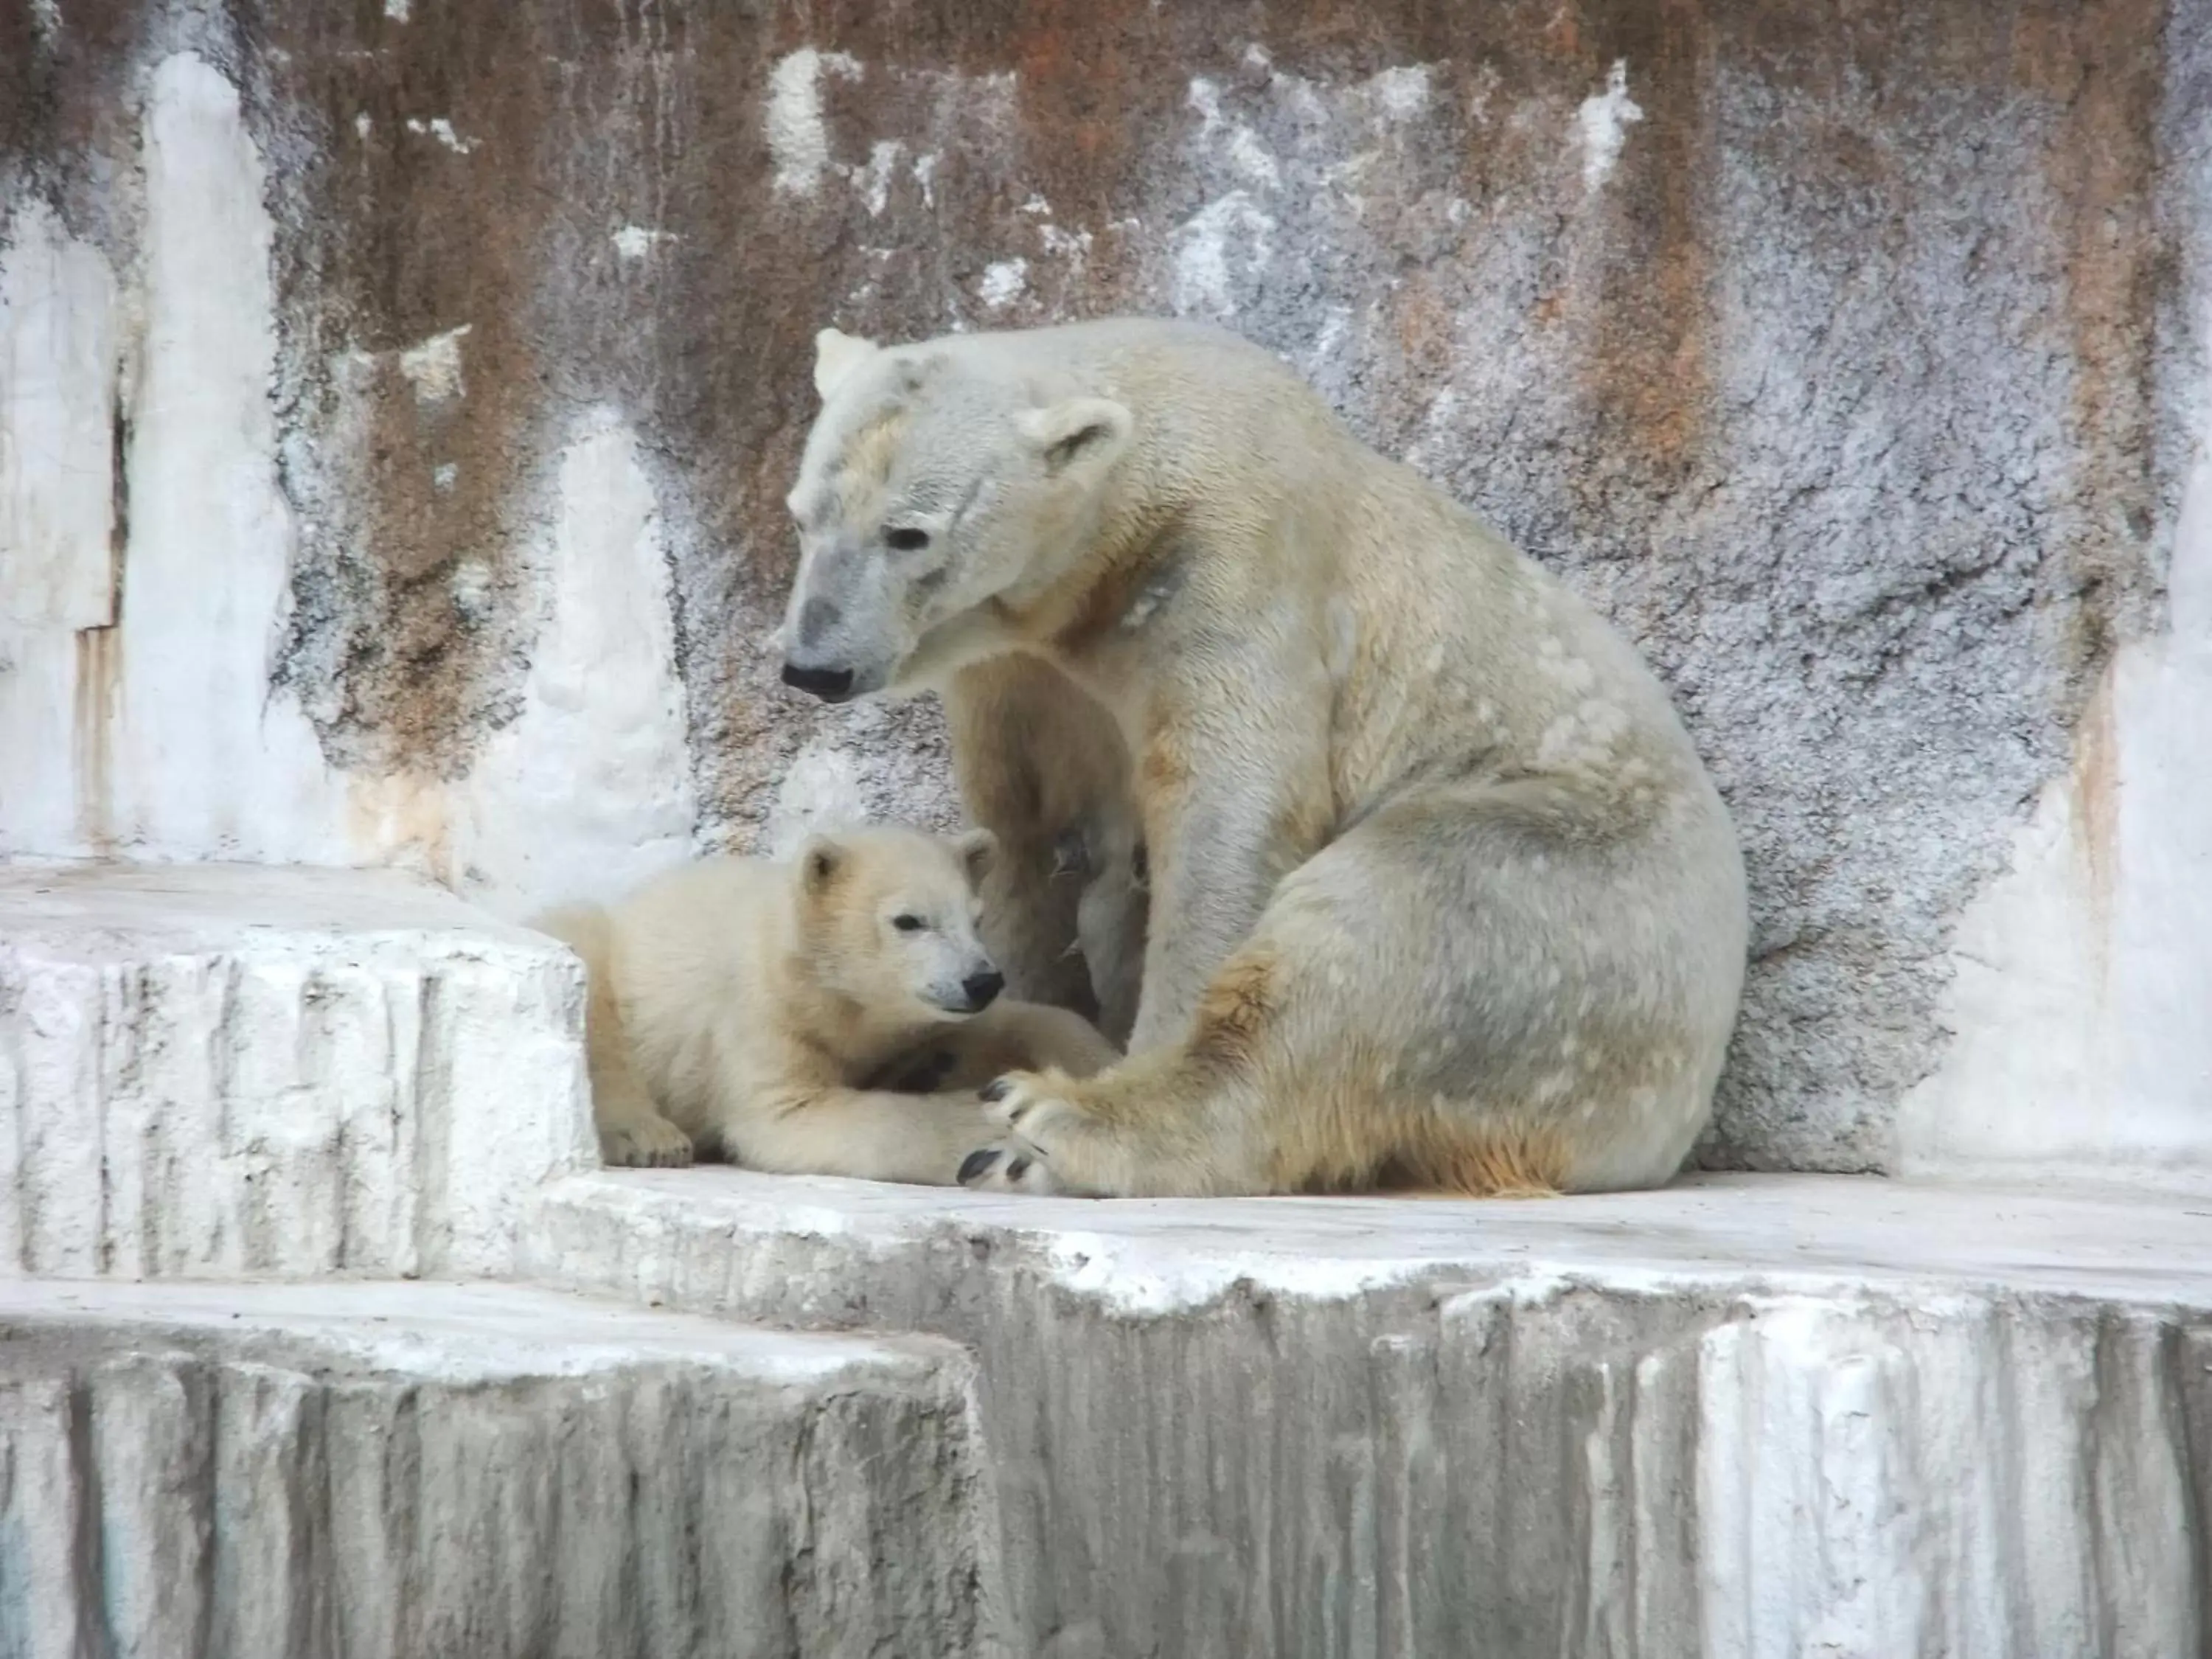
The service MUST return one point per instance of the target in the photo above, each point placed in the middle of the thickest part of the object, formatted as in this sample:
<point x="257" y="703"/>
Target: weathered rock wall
<point x="399" y="401"/>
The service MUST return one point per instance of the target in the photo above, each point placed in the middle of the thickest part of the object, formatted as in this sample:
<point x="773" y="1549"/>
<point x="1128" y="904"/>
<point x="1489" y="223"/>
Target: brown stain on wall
<point x="1102" y="124"/>
<point x="97" y="689"/>
<point x="1642" y="319"/>
<point x="1089" y="100"/>
<point x="21" y="90"/>
<point x="1421" y="321"/>
<point x="2101" y="68"/>
<point x="407" y="812"/>
<point x="96" y="701"/>
<point x="426" y="238"/>
<point x="2096" y="802"/>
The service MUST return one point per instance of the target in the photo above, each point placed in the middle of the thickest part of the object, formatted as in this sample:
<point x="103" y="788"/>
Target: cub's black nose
<point x="830" y="684"/>
<point x="982" y="988"/>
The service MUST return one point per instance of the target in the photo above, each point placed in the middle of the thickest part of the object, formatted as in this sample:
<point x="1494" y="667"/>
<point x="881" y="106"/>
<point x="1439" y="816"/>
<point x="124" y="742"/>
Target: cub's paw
<point x="1008" y="1167"/>
<point x="645" y="1143"/>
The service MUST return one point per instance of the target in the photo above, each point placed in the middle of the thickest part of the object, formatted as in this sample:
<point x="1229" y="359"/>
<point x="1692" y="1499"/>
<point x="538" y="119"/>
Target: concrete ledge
<point x="220" y="1069"/>
<point x="1747" y="1416"/>
<point x="406" y="1470"/>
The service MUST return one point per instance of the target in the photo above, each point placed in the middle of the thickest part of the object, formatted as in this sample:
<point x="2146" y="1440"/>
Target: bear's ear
<point x="835" y="356"/>
<point x="1085" y="431"/>
<point x="976" y="849"/>
<point x="819" y="861"/>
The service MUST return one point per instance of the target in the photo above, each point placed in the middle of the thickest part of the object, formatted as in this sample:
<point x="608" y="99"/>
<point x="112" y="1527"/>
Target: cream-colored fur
<point x="1440" y="894"/>
<point x="739" y="1006"/>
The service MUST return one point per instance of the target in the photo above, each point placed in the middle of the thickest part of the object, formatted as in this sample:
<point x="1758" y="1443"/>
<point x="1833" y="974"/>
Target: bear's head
<point x="937" y="479"/>
<point x="887" y="918"/>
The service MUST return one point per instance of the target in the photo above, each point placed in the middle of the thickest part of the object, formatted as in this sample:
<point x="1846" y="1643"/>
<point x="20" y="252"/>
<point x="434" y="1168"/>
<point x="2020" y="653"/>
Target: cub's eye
<point x="906" y="539"/>
<point x="909" y="923"/>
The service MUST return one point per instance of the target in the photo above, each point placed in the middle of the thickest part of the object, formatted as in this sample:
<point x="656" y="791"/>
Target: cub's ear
<point x="1081" y="432"/>
<point x="977" y="849"/>
<point x="820" y="863"/>
<point x="835" y="356"/>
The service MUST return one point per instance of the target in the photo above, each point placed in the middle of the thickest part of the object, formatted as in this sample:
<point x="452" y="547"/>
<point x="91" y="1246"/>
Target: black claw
<point x="995" y="1090"/>
<point x="1018" y="1169"/>
<point x="976" y="1165"/>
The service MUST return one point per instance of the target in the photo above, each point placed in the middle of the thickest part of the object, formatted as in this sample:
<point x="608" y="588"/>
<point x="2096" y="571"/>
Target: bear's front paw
<point x="1034" y="1113"/>
<point x="646" y="1143"/>
<point x="1026" y="1103"/>
<point x="1008" y="1167"/>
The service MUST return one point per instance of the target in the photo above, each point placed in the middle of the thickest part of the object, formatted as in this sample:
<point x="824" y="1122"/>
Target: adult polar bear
<point x="1441" y="895"/>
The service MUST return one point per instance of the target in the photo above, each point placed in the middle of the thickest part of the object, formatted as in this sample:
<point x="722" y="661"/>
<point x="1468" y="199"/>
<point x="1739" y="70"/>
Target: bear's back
<point x="694" y="952"/>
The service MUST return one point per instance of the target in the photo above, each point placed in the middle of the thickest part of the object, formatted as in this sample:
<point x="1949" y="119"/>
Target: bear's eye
<point x="907" y="538"/>
<point x="907" y="924"/>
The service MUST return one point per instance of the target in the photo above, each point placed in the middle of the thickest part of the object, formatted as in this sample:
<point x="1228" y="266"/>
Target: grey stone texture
<point x="420" y="1470"/>
<point x="1751" y="1415"/>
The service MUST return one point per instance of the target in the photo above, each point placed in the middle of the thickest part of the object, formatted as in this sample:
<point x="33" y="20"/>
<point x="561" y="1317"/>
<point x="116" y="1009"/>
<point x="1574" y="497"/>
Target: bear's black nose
<point x="982" y="988"/>
<point x="830" y="684"/>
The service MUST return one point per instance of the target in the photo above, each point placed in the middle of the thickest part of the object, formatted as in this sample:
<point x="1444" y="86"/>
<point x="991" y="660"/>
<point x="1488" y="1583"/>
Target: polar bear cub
<point x="742" y="1005"/>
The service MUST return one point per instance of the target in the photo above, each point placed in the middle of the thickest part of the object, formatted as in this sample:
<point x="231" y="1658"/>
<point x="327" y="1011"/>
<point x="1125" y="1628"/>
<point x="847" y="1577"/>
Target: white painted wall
<point x="60" y="365"/>
<point x="588" y="791"/>
<point x="152" y="731"/>
<point x="202" y="757"/>
<point x="2080" y="1016"/>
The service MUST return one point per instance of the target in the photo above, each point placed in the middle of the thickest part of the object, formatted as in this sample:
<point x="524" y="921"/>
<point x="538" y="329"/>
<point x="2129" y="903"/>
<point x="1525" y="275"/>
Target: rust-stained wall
<point x="1836" y="351"/>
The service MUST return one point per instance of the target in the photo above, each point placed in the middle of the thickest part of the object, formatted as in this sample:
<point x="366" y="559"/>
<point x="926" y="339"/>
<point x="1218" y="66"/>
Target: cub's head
<point x="887" y="917"/>
<point x="937" y="478"/>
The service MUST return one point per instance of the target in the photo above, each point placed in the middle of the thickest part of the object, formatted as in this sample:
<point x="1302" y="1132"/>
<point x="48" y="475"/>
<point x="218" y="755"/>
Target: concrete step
<point x="406" y="1470"/>
<point x="223" y="1070"/>
<point x="1747" y="1416"/>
